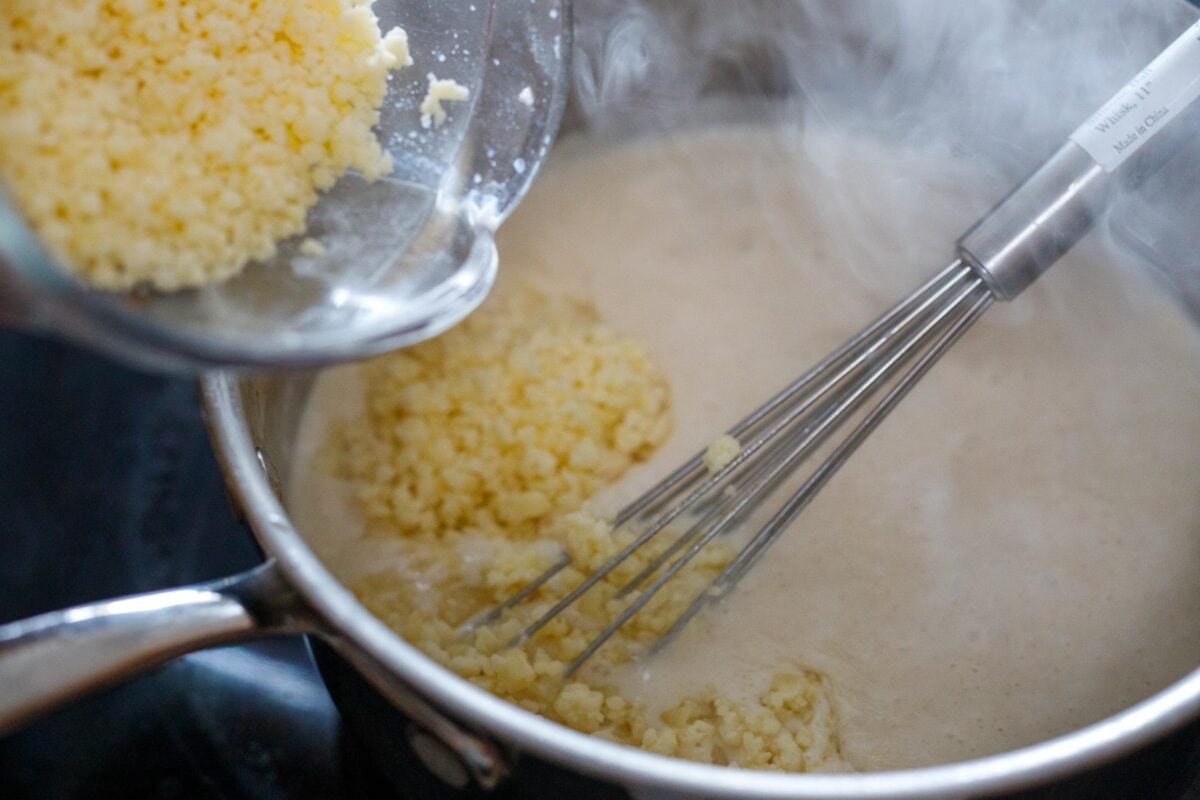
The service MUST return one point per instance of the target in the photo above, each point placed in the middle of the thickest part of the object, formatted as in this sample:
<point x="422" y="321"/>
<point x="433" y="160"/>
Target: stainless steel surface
<point x="53" y="657"/>
<point x="1047" y="214"/>
<point x="1038" y="222"/>
<point x="406" y="257"/>
<point x="458" y="752"/>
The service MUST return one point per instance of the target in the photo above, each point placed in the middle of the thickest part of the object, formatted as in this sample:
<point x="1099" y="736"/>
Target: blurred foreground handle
<point x="52" y="658"/>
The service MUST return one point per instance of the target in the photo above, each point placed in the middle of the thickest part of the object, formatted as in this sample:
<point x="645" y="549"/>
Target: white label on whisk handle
<point x="1145" y="105"/>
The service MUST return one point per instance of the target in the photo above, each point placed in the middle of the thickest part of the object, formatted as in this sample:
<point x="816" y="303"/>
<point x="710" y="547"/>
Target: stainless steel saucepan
<point x="463" y="734"/>
<point x="467" y="738"/>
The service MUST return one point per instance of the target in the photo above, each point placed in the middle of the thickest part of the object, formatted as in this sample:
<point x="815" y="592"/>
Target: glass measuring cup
<point x="405" y="257"/>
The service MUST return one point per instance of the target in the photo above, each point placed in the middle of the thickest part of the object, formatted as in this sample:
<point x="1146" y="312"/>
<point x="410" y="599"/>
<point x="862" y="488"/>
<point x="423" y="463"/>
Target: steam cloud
<point x="997" y="83"/>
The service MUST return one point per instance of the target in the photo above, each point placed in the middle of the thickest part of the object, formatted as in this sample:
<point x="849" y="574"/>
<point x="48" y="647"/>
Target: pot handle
<point x="51" y="658"/>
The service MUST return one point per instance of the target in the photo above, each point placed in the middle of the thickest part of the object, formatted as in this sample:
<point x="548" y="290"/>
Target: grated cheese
<point x="168" y="143"/>
<point x="478" y="449"/>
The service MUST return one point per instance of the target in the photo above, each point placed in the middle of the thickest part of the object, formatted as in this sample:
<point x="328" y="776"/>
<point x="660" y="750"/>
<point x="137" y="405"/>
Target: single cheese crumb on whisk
<point x="721" y="453"/>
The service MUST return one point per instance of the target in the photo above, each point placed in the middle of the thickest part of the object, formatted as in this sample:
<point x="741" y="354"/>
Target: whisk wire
<point x="843" y="363"/>
<point x="766" y="536"/>
<point x="858" y="353"/>
<point x="811" y="438"/>
<point x="780" y="435"/>
<point x="694" y="467"/>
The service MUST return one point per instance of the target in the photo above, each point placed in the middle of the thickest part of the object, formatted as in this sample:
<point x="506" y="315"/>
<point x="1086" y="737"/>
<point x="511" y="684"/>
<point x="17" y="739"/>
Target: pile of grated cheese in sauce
<point x="475" y="456"/>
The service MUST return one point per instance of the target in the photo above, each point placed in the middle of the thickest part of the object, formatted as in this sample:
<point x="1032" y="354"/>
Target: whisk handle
<point x="1127" y="139"/>
<point x="1037" y="222"/>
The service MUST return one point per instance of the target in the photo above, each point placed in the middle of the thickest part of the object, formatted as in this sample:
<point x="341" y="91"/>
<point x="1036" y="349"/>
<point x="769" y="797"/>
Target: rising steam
<point x="998" y="84"/>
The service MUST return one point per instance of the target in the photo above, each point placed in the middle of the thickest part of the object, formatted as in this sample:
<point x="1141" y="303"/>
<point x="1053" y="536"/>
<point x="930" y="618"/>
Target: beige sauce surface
<point x="1014" y="553"/>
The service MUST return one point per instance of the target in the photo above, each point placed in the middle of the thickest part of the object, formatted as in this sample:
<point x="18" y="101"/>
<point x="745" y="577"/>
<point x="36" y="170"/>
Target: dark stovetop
<point x="108" y="486"/>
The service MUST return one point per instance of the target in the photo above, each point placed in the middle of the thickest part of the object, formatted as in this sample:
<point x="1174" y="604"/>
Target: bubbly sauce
<point x="1014" y="553"/>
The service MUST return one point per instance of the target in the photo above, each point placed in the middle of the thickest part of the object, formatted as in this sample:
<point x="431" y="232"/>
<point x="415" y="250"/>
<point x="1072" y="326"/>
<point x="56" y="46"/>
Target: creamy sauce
<point x="1014" y="553"/>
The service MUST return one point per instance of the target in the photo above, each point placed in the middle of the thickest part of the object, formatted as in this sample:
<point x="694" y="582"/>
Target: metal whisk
<point x="997" y="258"/>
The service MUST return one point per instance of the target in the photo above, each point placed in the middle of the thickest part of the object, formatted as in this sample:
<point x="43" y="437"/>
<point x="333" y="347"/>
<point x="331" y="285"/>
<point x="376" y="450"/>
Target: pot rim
<point x="1076" y="751"/>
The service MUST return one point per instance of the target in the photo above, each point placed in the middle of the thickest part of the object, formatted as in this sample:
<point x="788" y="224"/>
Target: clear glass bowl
<point x="406" y="256"/>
